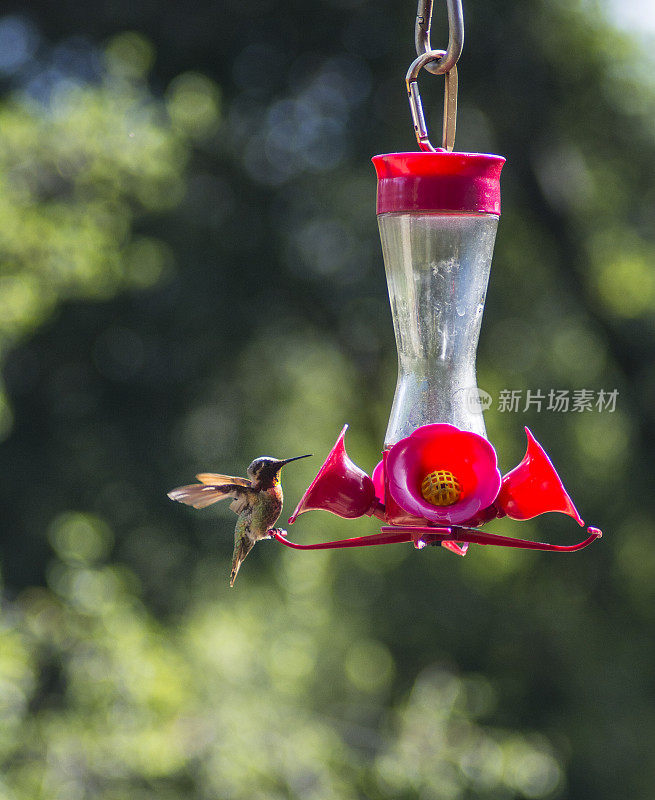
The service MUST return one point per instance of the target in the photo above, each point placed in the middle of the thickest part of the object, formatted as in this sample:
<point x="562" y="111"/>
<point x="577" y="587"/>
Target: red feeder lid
<point x="440" y="181"/>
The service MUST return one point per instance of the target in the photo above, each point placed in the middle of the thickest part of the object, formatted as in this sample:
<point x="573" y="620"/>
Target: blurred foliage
<point x="100" y="699"/>
<point x="81" y="166"/>
<point x="191" y="276"/>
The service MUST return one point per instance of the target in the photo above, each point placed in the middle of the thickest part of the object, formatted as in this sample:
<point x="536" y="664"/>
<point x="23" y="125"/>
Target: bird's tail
<point x="241" y="549"/>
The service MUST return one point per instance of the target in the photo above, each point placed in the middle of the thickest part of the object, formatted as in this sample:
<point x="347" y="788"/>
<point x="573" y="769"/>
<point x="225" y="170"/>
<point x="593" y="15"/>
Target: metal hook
<point x="449" y="101"/>
<point x="455" y="34"/>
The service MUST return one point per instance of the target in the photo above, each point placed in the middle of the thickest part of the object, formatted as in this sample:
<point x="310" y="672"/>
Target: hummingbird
<point x="256" y="500"/>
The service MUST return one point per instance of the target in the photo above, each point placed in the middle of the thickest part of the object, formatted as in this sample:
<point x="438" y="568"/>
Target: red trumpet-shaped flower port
<point x="534" y="487"/>
<point x="340" y="487"/>
<point x="443" y="474"/>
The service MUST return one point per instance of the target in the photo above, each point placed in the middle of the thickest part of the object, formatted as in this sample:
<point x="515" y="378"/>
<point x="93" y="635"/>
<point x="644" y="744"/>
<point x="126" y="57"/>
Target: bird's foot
<point x="276" y="531"/>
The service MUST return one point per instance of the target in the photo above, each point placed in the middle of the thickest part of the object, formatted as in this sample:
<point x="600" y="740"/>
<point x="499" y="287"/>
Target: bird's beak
<point x="295" y="458"/>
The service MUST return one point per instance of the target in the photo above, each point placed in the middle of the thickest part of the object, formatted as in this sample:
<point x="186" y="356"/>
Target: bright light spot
<point x="533" y="772"/>
<point x="147" y="260"/>
<point x="369" y="666"/>
<point x="637" y="16"/>
<point x="129" y="55"/>
<point x="80" y="537"/>
<point x="627" y="285"/>
<point x="18" y="41"/>
<point x="193" y="102"/>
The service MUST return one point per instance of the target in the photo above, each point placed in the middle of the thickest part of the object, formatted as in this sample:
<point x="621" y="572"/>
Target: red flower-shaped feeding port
<point x="443" y="474"/>
<point x="434" y="487"/>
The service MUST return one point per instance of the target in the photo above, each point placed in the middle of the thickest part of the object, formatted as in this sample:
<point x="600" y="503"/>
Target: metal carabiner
<point x="455" y="34"/>
<point x="449" y="101"/>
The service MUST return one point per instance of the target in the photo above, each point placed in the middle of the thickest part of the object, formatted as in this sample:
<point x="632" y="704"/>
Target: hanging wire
<point x="438" y="62"/>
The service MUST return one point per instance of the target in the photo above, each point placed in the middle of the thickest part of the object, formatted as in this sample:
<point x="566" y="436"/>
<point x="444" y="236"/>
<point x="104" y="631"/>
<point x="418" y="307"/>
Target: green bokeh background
<point x="191" y="276"/>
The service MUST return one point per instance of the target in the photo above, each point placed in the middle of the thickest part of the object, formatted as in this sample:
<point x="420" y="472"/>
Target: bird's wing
<point x="215" y="479"/>
<point x="200" y="495"/>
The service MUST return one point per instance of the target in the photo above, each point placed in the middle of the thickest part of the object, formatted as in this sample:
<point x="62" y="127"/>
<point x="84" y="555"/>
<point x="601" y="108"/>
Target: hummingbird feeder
<point x="438" y="480"/>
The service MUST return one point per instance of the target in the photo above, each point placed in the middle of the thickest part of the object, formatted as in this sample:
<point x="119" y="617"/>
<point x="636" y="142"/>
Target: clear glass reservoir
<point x="437" y="266"/>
